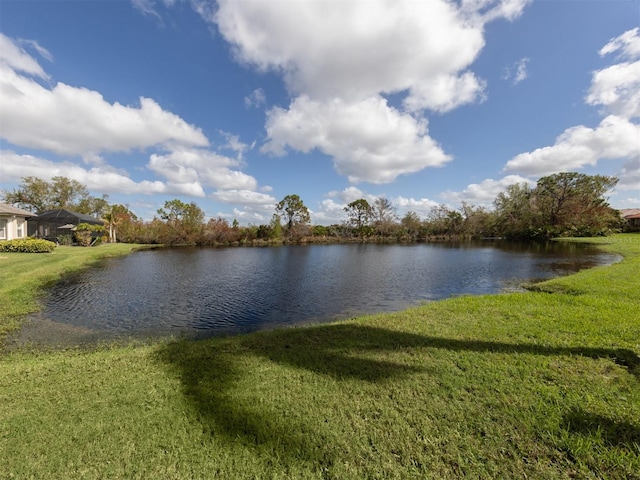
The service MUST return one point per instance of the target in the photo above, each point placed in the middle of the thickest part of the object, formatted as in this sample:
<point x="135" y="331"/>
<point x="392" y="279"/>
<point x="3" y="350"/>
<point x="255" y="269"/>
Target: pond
<point x="201" y="292"/>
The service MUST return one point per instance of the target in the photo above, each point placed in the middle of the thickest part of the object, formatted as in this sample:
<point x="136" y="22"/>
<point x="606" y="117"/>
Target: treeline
<point x="564" y="204"/>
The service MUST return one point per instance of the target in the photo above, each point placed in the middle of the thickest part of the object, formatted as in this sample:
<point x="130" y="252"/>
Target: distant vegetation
<point x="560" y="205"/>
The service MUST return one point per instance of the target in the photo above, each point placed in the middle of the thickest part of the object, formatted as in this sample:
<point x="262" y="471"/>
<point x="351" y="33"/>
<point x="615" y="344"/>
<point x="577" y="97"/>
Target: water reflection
<point x="204" y="291"/>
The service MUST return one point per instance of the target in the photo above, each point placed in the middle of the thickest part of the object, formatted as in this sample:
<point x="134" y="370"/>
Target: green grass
<point x="543" y="384"/>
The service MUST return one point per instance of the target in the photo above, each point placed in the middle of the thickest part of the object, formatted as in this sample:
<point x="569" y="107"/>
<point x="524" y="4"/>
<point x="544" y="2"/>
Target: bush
<point x="65" y="239"/>
<point x="29" y="245"/>
<point x="86" y="235"/>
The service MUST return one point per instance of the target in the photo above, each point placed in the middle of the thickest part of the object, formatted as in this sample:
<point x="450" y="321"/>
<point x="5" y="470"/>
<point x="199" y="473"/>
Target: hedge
<point x="29" y="245"/>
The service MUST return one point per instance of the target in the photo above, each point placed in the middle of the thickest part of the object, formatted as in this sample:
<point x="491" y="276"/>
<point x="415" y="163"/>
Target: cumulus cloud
<point x="343" y="60"/>
<point x="629" y="176"/>
<point x="202" y="167"/>
<point x="330" y="212"/>
<point x="353" y="50"/>
<point x="368" y="140"/>
<point x="77" y="121"/>
<point x="14" y="166"/>
<point x="577" y="147"/>
<point x="73" y="121"/>
<point x="617" y="89"/>
<point x="245" y="197"/>
<point x="485" y="192"/>
<point x="421" y="206"/>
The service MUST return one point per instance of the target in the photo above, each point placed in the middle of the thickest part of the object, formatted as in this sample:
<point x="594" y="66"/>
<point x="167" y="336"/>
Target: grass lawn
<point x="543" y="384"/>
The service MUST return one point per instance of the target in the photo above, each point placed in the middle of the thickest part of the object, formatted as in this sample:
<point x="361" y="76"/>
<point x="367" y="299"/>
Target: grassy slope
<point x="542" y="384"/>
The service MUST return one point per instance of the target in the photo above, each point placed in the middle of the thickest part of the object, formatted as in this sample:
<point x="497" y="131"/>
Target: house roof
<point x="630" y="212"/>
<point x="11" y="210"/>
<point x="65" y="215"/>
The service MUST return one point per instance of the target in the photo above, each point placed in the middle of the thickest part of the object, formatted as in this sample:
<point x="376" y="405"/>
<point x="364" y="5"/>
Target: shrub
<point x="29" y="245"/>
<point x="86" y="235"/>
<point x="65" y="239"/>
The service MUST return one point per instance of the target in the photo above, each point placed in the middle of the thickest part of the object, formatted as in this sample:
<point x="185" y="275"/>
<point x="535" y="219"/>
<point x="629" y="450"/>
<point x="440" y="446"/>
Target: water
<point x="202" y="292"/>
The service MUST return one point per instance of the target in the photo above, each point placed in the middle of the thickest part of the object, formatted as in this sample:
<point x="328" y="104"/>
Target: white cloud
<point x="77" y="121"/>
<point x="446" y="92"/>
<point x="517" y="72"/>
<point x="331" y="210"/>
<point x="349" y="194"/>
<point x="488" y="10"/>
<point x="368" y="140"/>
<point x="485" y="192"/>
<point x="329" y="213"/>
<point x="73" y="121"/>
<point x="628" y="44"/>
<point x="253" y="212"/>
<point x="617" y="136"/>
<point x="14" y="58"/>
<point x="255" y="99"/>
<point x="353" y="49"/>
<point x="202" y="167"/>
<point x="421" y="206"/>
<point x="245" y="197"/>
<point x="341" y="60"/>
<point x="234" y="144"/>
<point x="617" y="88"/>
<point x="577" y="147"/>
<point x="14" y="167"/>
<point x="251" y="208"/>
<point x="629" y="176"/>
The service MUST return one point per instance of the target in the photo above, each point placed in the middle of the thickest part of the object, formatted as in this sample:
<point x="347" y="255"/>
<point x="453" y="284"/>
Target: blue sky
<point x="236" y="104"/>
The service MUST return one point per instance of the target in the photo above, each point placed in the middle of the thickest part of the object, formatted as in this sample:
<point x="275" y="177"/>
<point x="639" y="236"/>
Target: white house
<point x="13" y="222"/>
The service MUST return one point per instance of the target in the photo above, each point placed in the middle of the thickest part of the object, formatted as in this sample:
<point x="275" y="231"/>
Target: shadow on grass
<point x="612" y="433"/>
<point x="210" y="371"/>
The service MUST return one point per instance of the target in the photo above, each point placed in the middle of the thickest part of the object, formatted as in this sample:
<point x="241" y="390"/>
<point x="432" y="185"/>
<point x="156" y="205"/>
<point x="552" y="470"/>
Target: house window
<point x="3" y="229"/>
<point x="19" y="228"/>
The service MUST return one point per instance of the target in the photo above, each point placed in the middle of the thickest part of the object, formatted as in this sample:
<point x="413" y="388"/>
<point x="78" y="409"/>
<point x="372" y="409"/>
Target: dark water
<point x="205" y="291"/>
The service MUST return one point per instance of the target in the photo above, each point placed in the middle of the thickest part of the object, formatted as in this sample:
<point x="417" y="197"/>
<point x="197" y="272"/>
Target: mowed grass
<point x="543" y="384"/>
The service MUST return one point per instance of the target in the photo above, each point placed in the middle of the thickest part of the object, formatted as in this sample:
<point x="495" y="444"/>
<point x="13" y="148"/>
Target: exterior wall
<point x="633" y="223"/>
<point x="12" y="227"/>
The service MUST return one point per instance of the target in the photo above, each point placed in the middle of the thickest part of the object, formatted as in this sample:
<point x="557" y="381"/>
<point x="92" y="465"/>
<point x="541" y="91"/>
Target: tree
<point x="565" y="203"/>
<point x="384" y="215"/>
<point x="359" y="214"/>
<point x="94" y="206"/>
<point x="32" y="195"/>
<point x="37" y="195"/>
<point x="515" y="217"/>
<point x="411" y="223"/>
<point x="571" y="203"/>
<point x="67" y="193"/>
<point x="185" y="221"/>
<point x="276" y="227"/>
<point x="294" y="212"/>
<point x="114" y="217"/>
<point x="477" y="221"/>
